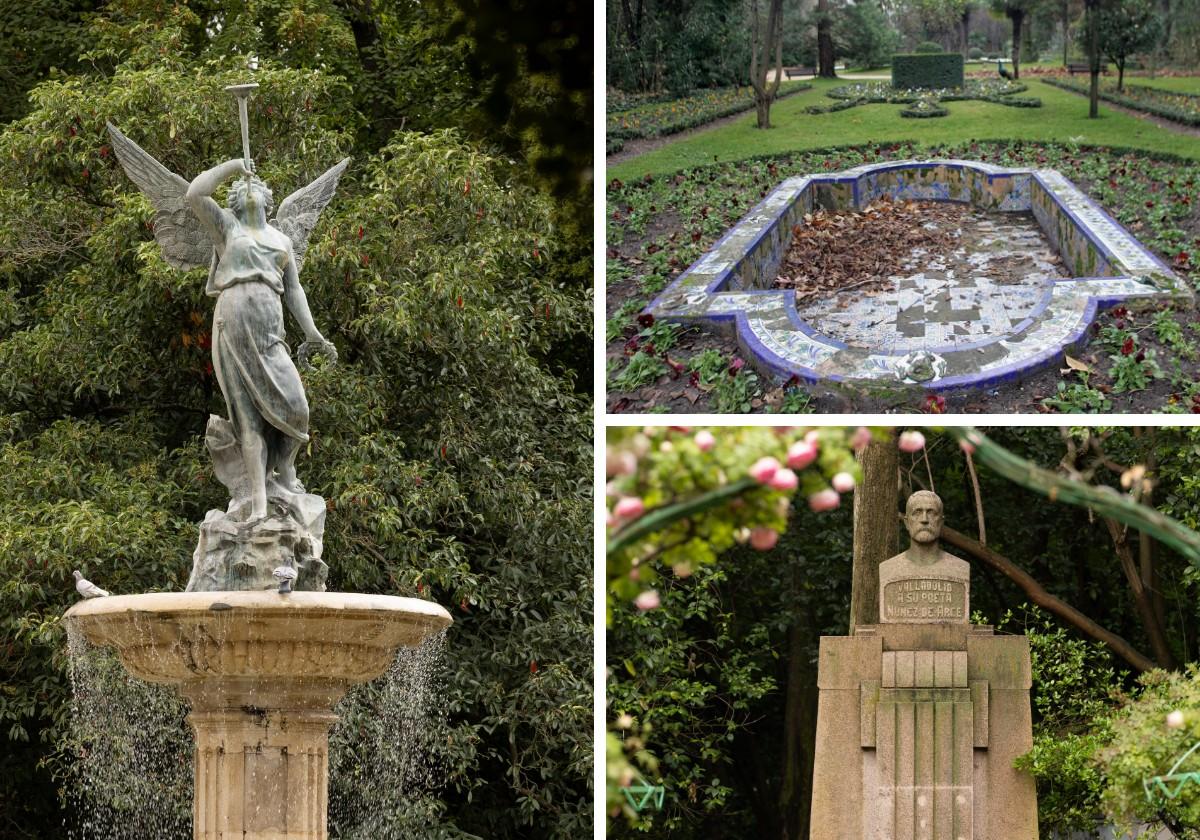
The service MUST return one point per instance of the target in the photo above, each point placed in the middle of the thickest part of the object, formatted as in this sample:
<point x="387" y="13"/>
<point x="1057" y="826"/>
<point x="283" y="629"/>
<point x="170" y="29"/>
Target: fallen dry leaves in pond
<point x="844" y="250"/>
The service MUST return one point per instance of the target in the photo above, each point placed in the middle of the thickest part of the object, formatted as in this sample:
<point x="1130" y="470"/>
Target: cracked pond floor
<point x="977" y="276"/>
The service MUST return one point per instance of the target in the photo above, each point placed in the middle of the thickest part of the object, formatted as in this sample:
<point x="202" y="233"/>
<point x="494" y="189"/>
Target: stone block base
<point x="261" y="776"/>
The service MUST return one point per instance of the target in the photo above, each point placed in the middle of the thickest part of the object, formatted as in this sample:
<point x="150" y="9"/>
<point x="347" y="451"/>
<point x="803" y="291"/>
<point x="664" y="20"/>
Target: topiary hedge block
<point x="927" y="70"/>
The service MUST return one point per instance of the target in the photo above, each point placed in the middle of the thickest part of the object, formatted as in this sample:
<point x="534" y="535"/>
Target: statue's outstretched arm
<point x="297" y="304"/>
<point x="297" y="301"/>
<point x="199" y="197"/>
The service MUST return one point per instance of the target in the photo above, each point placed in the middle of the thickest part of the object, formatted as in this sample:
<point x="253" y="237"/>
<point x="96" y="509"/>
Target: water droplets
<point x="384" y="752"/>
<point x="130" y="777"/>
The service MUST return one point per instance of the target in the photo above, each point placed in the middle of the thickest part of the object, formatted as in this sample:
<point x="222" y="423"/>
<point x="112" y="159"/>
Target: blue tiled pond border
<point x="730" y="286"/>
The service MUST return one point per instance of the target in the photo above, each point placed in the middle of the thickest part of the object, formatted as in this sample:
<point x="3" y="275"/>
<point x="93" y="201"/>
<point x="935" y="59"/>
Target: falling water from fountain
<point x="130" y="771"/>
<point x="385" y="751"/>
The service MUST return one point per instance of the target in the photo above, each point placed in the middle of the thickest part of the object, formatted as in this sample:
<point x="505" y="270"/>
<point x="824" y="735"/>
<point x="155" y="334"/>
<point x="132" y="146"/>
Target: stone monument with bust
<point x="924" y="583"/>
<point x="921" y="716"/>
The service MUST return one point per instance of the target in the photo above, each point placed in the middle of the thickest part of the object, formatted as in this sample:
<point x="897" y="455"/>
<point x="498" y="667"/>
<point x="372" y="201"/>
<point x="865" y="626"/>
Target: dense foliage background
<point x="719" y="682"/>
<point x="678" y="45"/>
<point x="453" y="272"/>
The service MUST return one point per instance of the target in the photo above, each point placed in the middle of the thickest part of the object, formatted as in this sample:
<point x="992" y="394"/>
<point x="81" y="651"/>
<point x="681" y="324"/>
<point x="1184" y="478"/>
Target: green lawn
<point x="1180" y="84"/>
<point x="1063" y="117"/>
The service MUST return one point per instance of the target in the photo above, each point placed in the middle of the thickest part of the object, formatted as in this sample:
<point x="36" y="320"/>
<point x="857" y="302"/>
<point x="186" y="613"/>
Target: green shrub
<point x="939" y="70"/>
<point x="658" y="117"/>
<point x="924" y="109"/>
<point x="974" y="53"/>
<point x="1144" y="747"/>
<point x="929" y="47"/>
<point x="1072" y="683"/>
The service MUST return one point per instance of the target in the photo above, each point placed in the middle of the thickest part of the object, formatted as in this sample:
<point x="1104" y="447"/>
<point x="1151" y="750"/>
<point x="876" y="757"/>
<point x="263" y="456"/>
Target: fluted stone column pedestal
<point x="262" y="672"/>
<point x="261" y="776"/>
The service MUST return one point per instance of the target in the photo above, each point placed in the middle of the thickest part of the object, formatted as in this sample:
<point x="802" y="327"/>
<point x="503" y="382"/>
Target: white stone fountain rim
<point x="296" y="603"/>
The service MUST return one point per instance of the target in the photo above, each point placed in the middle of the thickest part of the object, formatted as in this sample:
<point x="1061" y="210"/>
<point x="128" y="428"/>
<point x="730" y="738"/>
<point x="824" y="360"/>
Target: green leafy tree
<point x="450" y="442"/>
<point x="864" y="35"/>
<point x="35" y="38"/>
<point x="1128" y="27"/>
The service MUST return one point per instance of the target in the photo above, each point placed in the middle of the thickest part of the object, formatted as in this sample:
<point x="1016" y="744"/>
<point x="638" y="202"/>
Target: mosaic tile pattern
<point x="942" y="327"/>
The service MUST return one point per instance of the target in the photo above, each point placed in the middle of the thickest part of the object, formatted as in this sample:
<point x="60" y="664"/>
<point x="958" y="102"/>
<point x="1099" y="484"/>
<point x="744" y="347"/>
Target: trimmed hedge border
<point x="927" y="70"/>
<point x="1172" y="114"/>
<point x="1157" y="89"/>
<point x="695" y="120"/>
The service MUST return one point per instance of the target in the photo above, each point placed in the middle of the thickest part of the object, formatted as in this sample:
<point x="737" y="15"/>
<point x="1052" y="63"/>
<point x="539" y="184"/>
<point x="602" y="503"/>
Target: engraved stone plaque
<point x="925" y="599"/>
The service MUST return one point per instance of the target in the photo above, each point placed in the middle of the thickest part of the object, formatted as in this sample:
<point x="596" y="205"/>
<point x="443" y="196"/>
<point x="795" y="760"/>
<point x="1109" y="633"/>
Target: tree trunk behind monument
<point x="876" y="533"/>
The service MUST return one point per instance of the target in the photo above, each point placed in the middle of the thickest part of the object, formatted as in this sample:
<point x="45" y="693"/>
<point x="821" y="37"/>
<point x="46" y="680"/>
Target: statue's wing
<point x="185" y="243"/>
<point x="298" y="213"/>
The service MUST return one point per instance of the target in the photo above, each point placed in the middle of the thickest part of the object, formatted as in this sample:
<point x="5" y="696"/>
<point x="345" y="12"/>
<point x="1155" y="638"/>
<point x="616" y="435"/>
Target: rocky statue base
<point x="234" y="552"/>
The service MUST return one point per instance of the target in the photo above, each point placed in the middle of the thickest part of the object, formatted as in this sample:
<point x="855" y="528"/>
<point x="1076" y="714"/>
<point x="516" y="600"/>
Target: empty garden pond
<point x="940" y="274"/>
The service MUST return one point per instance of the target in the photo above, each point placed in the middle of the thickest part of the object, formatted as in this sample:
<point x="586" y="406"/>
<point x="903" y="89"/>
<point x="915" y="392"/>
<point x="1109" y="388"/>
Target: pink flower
<point x="826" y="499"/>
<point x="860" y="439"/>
<point x="912" y="441"/>
<point x="967" y="446"/>
<point x="619" y="463"/>
<point x="763" y="469"/>
<point x="812" y="437"/>
<point x="801" y="454"/>
<point x="631" y="507"/>
<point x="784" y="479"/>
<point x="648" y="600"/>
<point x="705" y="440"/>
<point x="764" y="539"/>
<point x="843" y="482"/>
<point x="1175" y="720"/>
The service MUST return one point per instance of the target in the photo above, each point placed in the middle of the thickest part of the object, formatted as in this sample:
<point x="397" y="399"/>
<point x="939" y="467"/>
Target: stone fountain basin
<point x="262" y="672"/>
<point x="233" y="643"/>
<point x="730" y="287"/>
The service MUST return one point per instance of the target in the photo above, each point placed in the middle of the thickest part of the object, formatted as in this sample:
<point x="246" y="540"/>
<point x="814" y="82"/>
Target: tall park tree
<point x="1092" y="13"/>
<point x="766" y="50"/>
<point x="1016" y="11"/>
<point x="825" y="52"/>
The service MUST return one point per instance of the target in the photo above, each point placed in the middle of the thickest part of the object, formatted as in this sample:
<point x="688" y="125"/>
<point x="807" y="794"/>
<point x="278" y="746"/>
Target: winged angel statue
<point x="272" y="529"/>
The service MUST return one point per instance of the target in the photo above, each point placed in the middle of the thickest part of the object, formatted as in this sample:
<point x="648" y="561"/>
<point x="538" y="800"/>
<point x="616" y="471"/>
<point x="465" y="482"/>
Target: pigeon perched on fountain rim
<point x="86" y="588"/>
<point x="285" y="575"/>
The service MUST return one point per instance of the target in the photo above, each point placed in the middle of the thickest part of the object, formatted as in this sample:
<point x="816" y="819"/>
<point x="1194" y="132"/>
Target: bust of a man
<point x="924" y="584"/>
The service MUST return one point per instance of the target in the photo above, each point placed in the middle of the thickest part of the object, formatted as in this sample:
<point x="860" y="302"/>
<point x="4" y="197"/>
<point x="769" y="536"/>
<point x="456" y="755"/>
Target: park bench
<point x="790" y="72"/>
<point x="1083" y="67"/>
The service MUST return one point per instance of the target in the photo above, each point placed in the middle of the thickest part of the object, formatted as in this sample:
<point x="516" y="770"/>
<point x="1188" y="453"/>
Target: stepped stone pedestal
<point x="262" y="672"/>
<point x="920" y="717"/>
